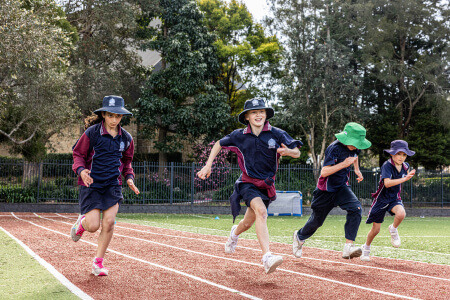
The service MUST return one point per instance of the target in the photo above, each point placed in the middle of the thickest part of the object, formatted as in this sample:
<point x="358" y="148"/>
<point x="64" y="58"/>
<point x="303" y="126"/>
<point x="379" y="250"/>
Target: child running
<point x="334" y="190"/>
<point x="258" y="148"/>
<point x="387" y="198"/>
<point x="100" y="156"/>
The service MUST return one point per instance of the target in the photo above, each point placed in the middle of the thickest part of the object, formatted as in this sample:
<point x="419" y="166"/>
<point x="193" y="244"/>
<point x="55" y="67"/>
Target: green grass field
<point x="423" y="239"/>
<point x="22" y="277"/>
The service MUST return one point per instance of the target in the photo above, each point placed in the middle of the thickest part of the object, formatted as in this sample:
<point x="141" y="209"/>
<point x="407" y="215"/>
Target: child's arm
<point x="285" y="151"/>
<point x="358" y="173"/>
<point x="393" y="182"/>
<point x="127" y="171"/>
<point x="80" y="153"/>
<point x="330" y="170"/>
<point x="205" y="172"/>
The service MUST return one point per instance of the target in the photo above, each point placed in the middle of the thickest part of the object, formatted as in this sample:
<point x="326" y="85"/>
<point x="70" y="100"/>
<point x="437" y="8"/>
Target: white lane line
<point x="150" y="263"/>
<point x="60" y="277"/>
<point x="255" y="264"/>
<point x="390" y="248"/>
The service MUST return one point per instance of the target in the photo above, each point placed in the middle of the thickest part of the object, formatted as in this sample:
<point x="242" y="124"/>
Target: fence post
<point x="442" y="191"/>
<point x="289" y="177"/>
<point x="411" y="192"/>
<point x="192" y="183"/>
<point x="39" y="180"/>
<point x="171" y="183"/>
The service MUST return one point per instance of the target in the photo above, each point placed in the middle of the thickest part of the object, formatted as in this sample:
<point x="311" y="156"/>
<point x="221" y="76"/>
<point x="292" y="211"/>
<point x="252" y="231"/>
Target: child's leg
<point x="105" y="236"/>
<point x="262" y="232"/>
<point x="373" y="233"/>
<point x="247" y="222"/>
<point x="91" y="221"/>
<point x="400" y="215"/>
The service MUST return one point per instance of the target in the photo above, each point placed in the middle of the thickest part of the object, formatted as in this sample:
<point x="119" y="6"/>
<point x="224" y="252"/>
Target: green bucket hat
<point x="354" y="135"/>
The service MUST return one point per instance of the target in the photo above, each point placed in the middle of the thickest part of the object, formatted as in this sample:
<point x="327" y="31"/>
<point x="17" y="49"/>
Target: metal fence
<point x="176" y="183"/>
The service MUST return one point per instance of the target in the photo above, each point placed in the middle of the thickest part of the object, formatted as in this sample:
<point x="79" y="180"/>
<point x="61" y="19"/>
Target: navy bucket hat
<point x="113" y="104"/>
<point x="253" y="104"/>
<point x="399" y="146"/>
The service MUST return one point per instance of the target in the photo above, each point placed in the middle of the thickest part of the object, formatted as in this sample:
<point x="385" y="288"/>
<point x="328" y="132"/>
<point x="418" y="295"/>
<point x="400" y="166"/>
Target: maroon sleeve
<point x="80" y="154"/>
<point x="127" y="158"/>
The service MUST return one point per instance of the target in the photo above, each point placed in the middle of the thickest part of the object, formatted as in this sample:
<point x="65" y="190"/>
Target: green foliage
<point x="35" y="101"/>
<point x="245" y="52"/>
<point x="179" y="100"/>
<point x="318" y="88"/>
<point x="105" y="60"/>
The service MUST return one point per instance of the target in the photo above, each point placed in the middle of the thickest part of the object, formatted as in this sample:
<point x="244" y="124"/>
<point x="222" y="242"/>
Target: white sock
<point x="366" y="247"/>
<point x="394" y="229"/>
<point x="234" y="237"/>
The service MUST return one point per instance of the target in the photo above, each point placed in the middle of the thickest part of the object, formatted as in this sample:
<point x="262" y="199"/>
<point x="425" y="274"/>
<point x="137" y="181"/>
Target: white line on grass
<point x="150" y="263"/>
<point x="60" y="277"/>
<point x="250" y="263"/>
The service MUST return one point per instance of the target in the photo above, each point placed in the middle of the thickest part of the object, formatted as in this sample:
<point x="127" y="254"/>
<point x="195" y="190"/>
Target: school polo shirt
<point x="105" y="156"/>
<point x="336" y="153"/>
<point x="388" y="170"/>
<point x="257" y="155"/>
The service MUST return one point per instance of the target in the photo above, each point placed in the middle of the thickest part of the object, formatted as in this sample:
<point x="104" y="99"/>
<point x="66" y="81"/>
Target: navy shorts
<point x="379" y="209"/>
<point x="249" y="191"/>
<point x="99" y="198"/>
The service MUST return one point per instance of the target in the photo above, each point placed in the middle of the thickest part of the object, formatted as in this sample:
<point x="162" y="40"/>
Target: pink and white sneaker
<point x="97" y="267"/>
<point x="77" y="229"/>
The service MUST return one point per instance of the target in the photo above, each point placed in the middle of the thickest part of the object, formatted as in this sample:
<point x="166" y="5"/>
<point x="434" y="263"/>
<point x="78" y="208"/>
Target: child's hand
<point x="359" y="176"/>
<point x="411" y="174"/>
<point x="349" y="161"/>
<point x="283" y="150"/>
<point x="87" y="179"/>
<point x="204" y="173"/>
<point x="134" y="188"/>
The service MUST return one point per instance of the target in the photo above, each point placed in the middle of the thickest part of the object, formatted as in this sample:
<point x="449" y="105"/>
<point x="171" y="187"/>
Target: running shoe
<point x="77" y="229"/>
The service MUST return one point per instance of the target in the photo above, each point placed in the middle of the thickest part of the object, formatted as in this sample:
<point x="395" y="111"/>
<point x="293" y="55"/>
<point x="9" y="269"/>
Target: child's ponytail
<point x="92" y="120"/>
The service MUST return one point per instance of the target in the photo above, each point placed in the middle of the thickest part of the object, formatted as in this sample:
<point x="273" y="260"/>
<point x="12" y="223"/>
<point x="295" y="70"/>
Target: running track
<point x="147" y="262"/>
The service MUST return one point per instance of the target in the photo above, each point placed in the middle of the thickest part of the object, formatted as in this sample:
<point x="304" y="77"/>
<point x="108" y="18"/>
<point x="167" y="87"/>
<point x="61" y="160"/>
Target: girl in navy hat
<point x="102" y="154"/>
<point x="387" y="198"/>
<point x="258" y="148"/>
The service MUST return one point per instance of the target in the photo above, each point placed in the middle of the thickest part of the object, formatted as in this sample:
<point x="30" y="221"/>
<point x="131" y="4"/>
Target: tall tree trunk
<point x="32" y="173"/>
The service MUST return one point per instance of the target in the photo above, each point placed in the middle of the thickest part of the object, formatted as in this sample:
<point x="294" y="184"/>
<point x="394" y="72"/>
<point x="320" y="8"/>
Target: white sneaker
<point x="350" y="251"/>
<point x="395" y="238"/>
<point x="271" y="262"/>
<point x="297" y="245"/>
<point x="98" y="269"/>
<point x="231" y="244"/>
<point x="365" y="254"/>
<point x="77" y="229"/>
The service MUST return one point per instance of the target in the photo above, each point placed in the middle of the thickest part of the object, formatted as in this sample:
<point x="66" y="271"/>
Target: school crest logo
<point x="255" y="102"/>
<point x="112" y="102"/>
<point x="122" y="146"/>
<point x="272" y="144"/>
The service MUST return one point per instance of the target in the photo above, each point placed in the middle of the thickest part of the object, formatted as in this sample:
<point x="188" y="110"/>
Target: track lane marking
<point x="249" y="263"/>
<point x="147" y="262"/>
<point x="60" y="277"/>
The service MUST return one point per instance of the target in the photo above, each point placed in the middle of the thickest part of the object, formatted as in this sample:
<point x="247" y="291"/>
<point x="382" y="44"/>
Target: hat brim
<point x="395" y="151"/>
<point x="114" y="110"/>
<point x="358" y="143"/>
<point x="269" y="113"/>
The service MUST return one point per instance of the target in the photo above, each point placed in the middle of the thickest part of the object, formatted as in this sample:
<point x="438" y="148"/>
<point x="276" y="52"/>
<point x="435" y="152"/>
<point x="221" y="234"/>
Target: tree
<point x="179" y="101"/>
<point x="105" y="60"/>
<point x="403" y="49"/>
<point x="246" y="54"/>
<point x="319" y="89"/>
<point x="35" y="100"/>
